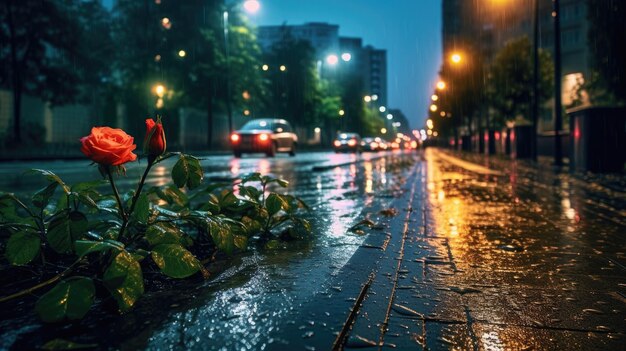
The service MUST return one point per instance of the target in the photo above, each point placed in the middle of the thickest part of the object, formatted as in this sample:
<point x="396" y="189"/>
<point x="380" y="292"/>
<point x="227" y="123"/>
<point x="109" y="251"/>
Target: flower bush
<point x="110" y="240"/>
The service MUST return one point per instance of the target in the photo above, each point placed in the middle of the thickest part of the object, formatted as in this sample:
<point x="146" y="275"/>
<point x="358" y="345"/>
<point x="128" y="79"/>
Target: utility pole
<point x="535" y="101"/>
<point x="229" y="107"/>
<point x="558" y="118"/>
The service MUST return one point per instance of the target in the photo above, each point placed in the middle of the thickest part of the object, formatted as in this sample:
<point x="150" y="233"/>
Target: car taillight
<point x="264" y="137"/>
<point x="234" y="138"/>
<point x="352" y="142"/>
<point x="337" y="143"/>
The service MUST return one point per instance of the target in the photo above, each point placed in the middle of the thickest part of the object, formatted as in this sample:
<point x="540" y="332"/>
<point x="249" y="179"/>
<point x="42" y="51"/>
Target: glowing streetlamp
<point x="159" y="90"/>
<point x="433" y="108"/>
<point x="182" y="53"/>
<point x="389" y="116"/>
<point x="346" y="56"/>
<point x="374" y="97"/>
<point x="283" y="68"/>
<point x="456" y="58"/>
<point x="265" y="67"/>
<point x="429" y="123"/>
<point x="382" y="109"/>
<point x="332" y="59"/>
<point x="342" y="112"/>
<point x="441" y="85"/>
<point x="434" y="97"/>
<point x="367" y="98"/>
<point x="383" y="130"/>
<point x="252" y="6"/>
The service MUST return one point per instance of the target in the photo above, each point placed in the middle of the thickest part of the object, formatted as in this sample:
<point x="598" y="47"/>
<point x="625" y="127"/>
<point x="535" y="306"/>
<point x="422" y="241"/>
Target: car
<point x="347" y="142"/>
<point x="370" y="144"/>
<point x="267" y="135"/>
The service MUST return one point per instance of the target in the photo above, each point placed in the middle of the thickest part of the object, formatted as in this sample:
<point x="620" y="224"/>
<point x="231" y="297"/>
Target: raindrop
<point x="308" y="334"/>
<point x="592" y="310"/>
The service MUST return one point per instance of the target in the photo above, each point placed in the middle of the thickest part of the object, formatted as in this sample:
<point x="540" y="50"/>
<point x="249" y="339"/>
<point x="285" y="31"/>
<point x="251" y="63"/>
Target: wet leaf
<point x="124" y="280"/>
<point x="357" y="226"/>
<point x="274" y="203"/>
<point x="70" y="299"/>
<point x="142" y="209"/>
<point x="222" y="237"/>
<point x="187" y="171"/>
<point x="163" y="234"/>
<point x="85" y="247"/>
<point x="62" y="344"/>
<point x="52" y="178"/>
<point x="241" y="242"/>
<point x="389" y="212"/>
<point x="22" y="247"/>
<point x="64" y="230"/>
<point x="7" y="209"/>
<point x="41" y="198"/>
<point x="252" y="177"/>
<point x="175" y="261"/>
<point x="282" y="183"/>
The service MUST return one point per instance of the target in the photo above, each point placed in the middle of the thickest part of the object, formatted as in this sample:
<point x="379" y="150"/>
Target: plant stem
<point x="117" y="195"/>
<point x="40" y="285"/>
<point x="136" y="197"/>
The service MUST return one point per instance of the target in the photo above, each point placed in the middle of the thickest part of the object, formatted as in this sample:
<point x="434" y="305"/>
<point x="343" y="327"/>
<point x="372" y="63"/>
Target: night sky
<point x="410" y="31"/>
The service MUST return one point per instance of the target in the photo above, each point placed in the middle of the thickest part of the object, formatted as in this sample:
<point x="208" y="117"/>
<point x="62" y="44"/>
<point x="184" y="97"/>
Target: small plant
<point x="83" y="238"/>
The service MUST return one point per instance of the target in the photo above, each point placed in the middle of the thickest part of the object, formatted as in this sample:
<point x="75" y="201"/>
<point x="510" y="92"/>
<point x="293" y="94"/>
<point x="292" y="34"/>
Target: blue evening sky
<point x="410" y="31"/>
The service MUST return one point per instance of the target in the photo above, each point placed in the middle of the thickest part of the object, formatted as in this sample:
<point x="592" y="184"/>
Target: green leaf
<point x="7" y="209"/>
<point x="52" y="178"/>
<point x="222" y="237"/>
<point x="228" y="200"/>
<point x="62" y="344"/>
<point x="142" y="209"/>
<point x="85" y="247"/>
<point x="70" y="299"/>
<point x="22" y="247"/>
<point x="282" y="183"/>
<point x="88" y="186"/>
<point x="124" y="280"/>
<point x="187" y="171"/>
<point x="175" y="261"/>
<point x="64" y="230"/>
<point x="86" y="200"/>
<point x="241" y="241"/>
<point x="162" y="234"/>
<point x="274" y="203"/>
<point x="252" y="177"/>
<point x="42" y="197"/>
<point x="175" y="196"/>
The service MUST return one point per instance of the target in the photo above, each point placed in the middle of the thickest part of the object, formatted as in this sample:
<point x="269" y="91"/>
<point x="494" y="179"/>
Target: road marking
<point x="469" y="166"/>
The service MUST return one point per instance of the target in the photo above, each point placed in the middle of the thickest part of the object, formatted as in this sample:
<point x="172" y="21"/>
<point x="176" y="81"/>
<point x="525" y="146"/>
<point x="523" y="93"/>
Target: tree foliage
<point x="510" y="83"/>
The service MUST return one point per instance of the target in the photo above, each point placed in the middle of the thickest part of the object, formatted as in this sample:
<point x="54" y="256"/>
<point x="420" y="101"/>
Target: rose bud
<point x="154" y="143"/>
<point x="108" y="146"/>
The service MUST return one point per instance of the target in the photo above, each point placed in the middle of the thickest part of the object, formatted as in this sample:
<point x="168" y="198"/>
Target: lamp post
<point x="250" y="6"/>
<point x="558" y="113"/>
<point x="535" y="101"/>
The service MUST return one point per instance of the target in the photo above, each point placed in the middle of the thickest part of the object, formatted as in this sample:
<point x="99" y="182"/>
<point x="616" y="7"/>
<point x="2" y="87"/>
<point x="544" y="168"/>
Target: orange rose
<point x="154" y="143"/>
<point x="108" y="146"/>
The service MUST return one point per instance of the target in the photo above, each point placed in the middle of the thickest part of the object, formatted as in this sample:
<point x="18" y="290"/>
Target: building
<point x="486" y="27"/>
<point x="375" y="73"/>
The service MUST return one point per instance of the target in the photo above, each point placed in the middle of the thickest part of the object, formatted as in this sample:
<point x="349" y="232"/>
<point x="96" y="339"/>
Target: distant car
<point x="371" y="144"/>
<point x="264" y="135"/>
<point x="347" y="142"/>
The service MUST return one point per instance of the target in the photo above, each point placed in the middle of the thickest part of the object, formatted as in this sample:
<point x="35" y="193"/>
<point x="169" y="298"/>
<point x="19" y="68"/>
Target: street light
<point x="389" y="116"/>
<point x="182" y="53"/>
<point x="374" y="97"/>
<point x="367" y="98"/>
<point x="383" y="130"/>
<point x="252" y="6"/>
<point x="455" y="58"/>
<point x="332" y="59"/>
<point x="382" y="109"/>
<point x="283" y="68"/>
<point x="342" y="112"/>
<point x="346" y="56"/>
<point x="441" y="85"/>
<point x="433" y="107"/>
<point x="265" y="67"/>
<point x="159" y="90"/>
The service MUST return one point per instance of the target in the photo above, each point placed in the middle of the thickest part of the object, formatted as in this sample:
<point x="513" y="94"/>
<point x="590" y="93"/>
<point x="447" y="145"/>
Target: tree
<point x="510" y="83"/>
<point x="608" y="52"/>
<point x="41" y="36"/>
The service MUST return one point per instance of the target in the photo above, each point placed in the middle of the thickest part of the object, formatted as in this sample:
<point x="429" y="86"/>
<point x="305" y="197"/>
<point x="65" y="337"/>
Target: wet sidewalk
<point x="481" y="255"/>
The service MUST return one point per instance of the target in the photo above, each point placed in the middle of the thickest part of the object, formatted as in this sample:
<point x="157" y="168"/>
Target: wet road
<point x="484" y="254"/>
